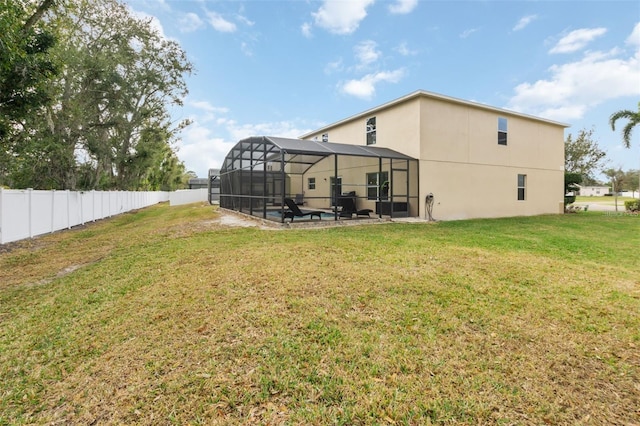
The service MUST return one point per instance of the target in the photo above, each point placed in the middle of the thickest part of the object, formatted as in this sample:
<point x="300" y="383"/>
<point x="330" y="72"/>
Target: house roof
<point x="303" y="153"/>
<point x="424" y="93"/>
<point x="300" y="146"/>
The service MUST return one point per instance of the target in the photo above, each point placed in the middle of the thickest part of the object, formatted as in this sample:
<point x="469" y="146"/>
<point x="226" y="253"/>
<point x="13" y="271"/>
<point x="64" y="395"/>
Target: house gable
<point x="472" y="157"/>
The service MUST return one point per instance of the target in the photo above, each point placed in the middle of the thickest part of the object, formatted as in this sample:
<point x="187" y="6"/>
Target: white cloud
<point x="245" y="20"/>
<point x="403" y="6"/>
<point x="634" y="38"/>
<point x="333" y="67"/>
<point x="467" y="33"/>
<point x="190" y="22"/>
<point x="246" y="49"/>
<point x="365" y="87"/>
<point x="366" y="53"/>
<point x="340" y="16"/>
<point x="575" y="87"/>
<point x="200" y="150"/>
<point x="205" y="143"/>
<point x="524" y="21"/>
<point x="154" y="22"/>
<point x="210" y="112"/>
<point x="306" y="30"/>
<point x="577" y="39"/>
<point x="220" y="24"/>
<point x="285" y="129"/>
<point x="404" y="50"/>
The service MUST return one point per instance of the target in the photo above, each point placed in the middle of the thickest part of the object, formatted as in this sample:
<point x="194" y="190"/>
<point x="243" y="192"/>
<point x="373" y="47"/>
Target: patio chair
<point x="294" y="211"/>
<point x="300" y="199"/>
<point x="349" y="208"/>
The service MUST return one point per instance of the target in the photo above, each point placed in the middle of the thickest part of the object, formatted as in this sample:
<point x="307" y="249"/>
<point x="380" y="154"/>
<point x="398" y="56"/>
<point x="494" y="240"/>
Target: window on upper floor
<point x="311" y="183"/>
<point x="502" y="131"/>
<point x="325" y="137"/>
<point x="371" y="131"/>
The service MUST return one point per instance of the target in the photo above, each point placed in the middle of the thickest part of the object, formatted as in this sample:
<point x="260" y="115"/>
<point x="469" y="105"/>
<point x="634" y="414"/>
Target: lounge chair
<point x="349" y="208"/>
<point x="294" y="211"/>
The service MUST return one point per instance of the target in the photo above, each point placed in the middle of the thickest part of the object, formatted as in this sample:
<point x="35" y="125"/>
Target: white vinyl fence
<point x="27" y="213"/>
<point x="188" y="196"/>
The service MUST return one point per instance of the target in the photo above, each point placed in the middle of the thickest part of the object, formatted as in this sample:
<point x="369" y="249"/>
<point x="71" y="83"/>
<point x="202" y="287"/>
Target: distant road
<point x="601" y="206"/>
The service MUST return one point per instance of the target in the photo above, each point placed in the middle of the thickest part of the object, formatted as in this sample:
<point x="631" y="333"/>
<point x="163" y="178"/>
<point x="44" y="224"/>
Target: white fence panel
<point x="188" y="196"/>
<point x="75" y="217"/>
<point x="41" y="211"/>
<point x="14" y="215"/>
<point x="27" y="213"/>
<point x="60" y="210"/>
<point x="86" y="207"/>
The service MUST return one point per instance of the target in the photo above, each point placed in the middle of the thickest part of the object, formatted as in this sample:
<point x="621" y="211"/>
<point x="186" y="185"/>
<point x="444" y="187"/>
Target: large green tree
<point x="26" y="69"/>
<point x="632" y="181"/>
<point x="110" y="126"/>
<point x="583" y="156"/>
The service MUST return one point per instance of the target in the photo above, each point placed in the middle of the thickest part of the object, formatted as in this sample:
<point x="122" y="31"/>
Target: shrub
<point x="632" y="205"/>
<point x="571" y="208"/>
<point x="569" y="199"/>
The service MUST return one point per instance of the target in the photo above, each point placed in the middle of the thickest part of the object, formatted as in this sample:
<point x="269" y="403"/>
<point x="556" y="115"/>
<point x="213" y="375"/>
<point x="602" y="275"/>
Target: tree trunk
<point x="46" y="4"/>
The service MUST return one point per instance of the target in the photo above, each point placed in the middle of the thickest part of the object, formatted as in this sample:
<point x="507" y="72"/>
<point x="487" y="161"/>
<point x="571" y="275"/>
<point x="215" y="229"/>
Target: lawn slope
<point x="165" y="316"/>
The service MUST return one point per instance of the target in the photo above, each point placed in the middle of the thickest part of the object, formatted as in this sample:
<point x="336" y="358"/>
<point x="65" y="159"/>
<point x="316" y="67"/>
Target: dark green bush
<point x="632" y="205"/>
<point x="568" y="199"/>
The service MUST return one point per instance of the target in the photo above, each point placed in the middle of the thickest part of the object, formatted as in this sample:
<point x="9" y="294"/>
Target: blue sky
<point x="284" y="68"/>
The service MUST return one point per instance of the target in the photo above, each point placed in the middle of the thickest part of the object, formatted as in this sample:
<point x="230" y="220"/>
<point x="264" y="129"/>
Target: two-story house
<point x="423" y="152"/>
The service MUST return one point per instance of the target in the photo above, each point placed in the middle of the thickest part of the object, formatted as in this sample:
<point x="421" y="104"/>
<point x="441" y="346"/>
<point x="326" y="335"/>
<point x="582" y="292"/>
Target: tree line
<point x="584" y="159"/>
<point x="86" y="90"/>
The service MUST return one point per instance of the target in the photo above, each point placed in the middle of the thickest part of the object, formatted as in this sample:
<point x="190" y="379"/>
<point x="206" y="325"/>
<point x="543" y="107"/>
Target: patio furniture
<point x="349" y="208"/>
<point x="294" y="211"/>
<point x="300" y="199"/>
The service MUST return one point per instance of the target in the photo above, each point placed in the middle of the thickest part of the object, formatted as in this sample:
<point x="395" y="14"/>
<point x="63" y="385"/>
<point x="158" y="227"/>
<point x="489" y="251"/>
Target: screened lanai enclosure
<point x="278" y="178"/>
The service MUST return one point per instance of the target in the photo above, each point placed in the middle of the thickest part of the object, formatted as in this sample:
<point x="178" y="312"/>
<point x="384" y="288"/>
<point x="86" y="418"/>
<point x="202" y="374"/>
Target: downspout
<point x="282" y="153"/>
<point x="335" y="185"/>
<point x="264" y="180"/>
<point x="378" y="189"/>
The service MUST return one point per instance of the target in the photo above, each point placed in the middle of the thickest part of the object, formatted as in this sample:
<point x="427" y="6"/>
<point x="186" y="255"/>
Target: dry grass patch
<point x="177" y="319"/>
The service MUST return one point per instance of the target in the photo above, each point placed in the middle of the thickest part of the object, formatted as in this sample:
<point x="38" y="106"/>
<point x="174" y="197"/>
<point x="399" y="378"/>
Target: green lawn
<point x="604" y="200"/>
<point x="164" y="316"/>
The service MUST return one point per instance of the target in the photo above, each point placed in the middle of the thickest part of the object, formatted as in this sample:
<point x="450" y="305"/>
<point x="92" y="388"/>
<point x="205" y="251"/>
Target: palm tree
<point x="634" y="120"/>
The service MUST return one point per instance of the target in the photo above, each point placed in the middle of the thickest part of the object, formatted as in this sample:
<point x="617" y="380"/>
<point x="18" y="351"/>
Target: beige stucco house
<point x="476" y="160"/>
<point x="423" y="155"/>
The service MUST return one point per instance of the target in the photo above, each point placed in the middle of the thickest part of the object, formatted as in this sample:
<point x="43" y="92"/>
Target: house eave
<point x="432" y="95"/>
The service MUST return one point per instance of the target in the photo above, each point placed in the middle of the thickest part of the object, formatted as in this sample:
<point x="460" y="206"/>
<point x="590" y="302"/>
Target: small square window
<point x="325" y="137"/>
<point x="311" y="183"/>
<point x="502" y="131"/>
<point x="522" y="182"/>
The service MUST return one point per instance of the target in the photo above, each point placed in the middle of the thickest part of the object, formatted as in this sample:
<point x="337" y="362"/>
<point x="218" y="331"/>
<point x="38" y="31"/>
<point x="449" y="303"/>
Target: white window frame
<point x="371" y="131"/>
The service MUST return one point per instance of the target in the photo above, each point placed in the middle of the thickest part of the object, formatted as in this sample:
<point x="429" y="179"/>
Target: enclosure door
<point x="399" y="193"/>
<point x="336" y="189"/>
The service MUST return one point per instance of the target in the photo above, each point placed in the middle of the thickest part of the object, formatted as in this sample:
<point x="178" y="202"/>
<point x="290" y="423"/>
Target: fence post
<point x="1" y="223"/>
<point x="53" y="209"/>
<point x="68" y="210"/>
<point x="30" y="210"/>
